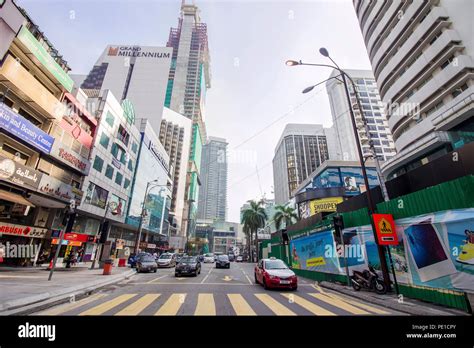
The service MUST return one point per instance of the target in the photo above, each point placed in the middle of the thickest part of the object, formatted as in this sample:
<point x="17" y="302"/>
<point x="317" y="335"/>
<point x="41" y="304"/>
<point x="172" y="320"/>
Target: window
<point x="118" y="178"/>
<point x="115" y="150"/>
<point x="459" y="90"/>
<point x="130" y="165"/>
<point x="29" y="117"/>
<point x="104" y="140"/>
<point x="14" y="154"/>
<point x="372" y="128"/>
<point x="98" y="164"/>
<point x="109" y="172"/>
<point x="134" y="147"/>
<point x="370" y="120"/>
<point x="109" y="118"/>
<point x="374" y="135"/>
<point x="126" y="183"/>
<point x="123" y="135"/>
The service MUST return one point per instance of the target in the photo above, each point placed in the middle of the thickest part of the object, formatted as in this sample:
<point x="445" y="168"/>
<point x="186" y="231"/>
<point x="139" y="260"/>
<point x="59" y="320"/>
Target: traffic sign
<point x="385" y="228"/>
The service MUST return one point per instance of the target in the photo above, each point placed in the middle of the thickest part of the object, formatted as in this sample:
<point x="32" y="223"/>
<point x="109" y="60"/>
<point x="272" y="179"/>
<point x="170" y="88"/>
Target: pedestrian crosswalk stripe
<point x="71" y="306"/>
<point x="205" y="305"/>
<point x="359" y="304"/>
<point x="275" y="306"/>
<point x="172" y="305"/>
<point x="241" y="307"/>
<point x="339" y="303"/>
<point x="136" y="307"/>
<point x="104" y="307"/>
<point x="310" y="306"/>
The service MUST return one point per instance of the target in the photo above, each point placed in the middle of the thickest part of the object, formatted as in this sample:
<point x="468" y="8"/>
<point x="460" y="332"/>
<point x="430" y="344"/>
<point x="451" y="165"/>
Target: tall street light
<point x="371" y="206"/>
<point x="150" y="185"/>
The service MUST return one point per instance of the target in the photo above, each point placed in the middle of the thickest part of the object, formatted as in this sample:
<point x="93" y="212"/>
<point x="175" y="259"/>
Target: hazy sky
<point x="253" y="93"/>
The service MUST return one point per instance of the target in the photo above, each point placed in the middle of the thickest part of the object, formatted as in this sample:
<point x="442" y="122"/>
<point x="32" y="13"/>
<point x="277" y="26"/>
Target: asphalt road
<point x="213" y="292"/>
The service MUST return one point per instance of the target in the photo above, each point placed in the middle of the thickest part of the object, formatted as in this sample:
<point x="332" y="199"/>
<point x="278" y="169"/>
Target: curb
<point x="412" y="307"/>
<point x="35" y="303"/>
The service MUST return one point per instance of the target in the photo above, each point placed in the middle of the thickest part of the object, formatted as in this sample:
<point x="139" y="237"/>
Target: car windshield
<point x="165" y="256"/>
<point x="275" y="264"/>
<point x="208" y="255"/>
<point x="147" y="258"/>
<point x="188" y="259"/>
<point x="223" y="257"/>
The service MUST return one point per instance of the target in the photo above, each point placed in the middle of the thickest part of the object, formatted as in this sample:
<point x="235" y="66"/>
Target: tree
<point x="254" y="218"/>
<point x="284" y="214"/>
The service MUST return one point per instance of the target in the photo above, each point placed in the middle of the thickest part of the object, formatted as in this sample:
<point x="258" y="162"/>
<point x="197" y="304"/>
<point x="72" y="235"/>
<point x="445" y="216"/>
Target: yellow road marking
<point x="241" y="307"/>
<point x="310" y="306"/>
<point x="104" y="307"/>
<point x="227" y="278"/>
<point x="339" y="303"/>
<point x="359" y="304"/>
<point x="205" y="305"/>
<point x="172" y="305"/>
<point x="139" y="305"/>
<point x="275" y="306"/>
<point x="70" y="306"/>
<point x="154" y="280"/>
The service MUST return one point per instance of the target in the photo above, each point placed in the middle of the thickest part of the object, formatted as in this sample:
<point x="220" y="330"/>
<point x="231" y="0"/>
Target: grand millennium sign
<point x="135" y="51"/>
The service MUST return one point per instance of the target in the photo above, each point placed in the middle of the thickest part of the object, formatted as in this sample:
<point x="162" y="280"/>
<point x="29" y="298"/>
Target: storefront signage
<point x="70" y="157"/>
<point x="45" y="58"/>
<point x="24" y="129"/>
<point x="158" y="155"/>
<point x="119" y="244"/>
<point x="151" y="246"/>
<point x="135" y="51"/>
<point x="324" y="204"/>
<point x="56" y="188"/>
<point x="22" y="231"/>
<point x="385" y="228"/>
<point x="19" y="174"/>
<point x="143" y="245"/>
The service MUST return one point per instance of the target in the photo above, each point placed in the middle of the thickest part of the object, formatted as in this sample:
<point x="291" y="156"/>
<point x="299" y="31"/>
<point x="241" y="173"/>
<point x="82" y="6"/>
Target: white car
<point x="239" y="259"/>
<point x="209" y="258"/>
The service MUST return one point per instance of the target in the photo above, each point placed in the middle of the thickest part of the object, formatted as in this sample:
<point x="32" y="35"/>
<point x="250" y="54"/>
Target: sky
<point x="253" y="94"/>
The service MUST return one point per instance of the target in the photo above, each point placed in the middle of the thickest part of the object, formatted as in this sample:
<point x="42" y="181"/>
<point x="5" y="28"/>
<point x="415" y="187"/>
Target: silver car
<point x="167" y="260"/>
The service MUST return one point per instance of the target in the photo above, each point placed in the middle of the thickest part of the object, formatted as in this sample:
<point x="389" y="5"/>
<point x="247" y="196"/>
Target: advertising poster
<point x="435" y="250"/>
<point x="316" y="252"/>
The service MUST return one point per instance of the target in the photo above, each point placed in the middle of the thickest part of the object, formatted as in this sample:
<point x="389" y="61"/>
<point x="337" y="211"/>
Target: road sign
<point x="385" y="228"/>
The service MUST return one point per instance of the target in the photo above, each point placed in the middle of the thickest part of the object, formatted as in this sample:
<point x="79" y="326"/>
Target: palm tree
<point x="284" y="214"/>
<point x="254" y="218"/>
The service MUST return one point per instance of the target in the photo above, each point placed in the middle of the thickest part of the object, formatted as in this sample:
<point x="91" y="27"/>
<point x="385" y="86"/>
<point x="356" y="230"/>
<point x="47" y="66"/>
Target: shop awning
<point x="46" y="202"/>
<point x="15" y="198"/>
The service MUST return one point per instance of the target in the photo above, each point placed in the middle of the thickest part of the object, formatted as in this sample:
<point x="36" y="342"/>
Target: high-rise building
<point x="136" y="73"/>
<point x="423" y="63"/>
<point x="301" y="149"/>
<point x="213" y="192"/>
<point x="189" y="77"/>
<point x="373" y="111"/>
<point x="175" y="135"/>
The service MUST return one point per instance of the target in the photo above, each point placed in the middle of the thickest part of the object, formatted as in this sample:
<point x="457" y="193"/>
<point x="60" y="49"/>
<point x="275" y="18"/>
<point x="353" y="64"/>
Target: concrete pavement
<point x="213" y="292"/>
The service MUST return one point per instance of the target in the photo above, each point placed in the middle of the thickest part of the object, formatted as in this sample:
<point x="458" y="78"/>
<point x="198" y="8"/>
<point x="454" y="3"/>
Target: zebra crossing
<point x="211" y="304"/>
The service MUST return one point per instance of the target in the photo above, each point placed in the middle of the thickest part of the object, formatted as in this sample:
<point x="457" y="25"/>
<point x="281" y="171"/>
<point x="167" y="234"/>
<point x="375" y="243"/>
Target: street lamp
<point x="371" y="206"/>
<point x="150" y="185"/>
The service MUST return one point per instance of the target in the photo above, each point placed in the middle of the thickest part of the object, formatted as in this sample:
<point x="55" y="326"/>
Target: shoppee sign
<point x="34" y="46"/>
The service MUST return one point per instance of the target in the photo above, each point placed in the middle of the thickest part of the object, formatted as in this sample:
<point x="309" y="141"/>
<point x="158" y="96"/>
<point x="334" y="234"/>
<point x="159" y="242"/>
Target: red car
<point x="274" y="273"/>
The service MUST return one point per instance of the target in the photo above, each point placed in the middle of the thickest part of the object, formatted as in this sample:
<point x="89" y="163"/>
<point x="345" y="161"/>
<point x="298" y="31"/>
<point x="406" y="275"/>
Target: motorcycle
<point x="368" y="279"/>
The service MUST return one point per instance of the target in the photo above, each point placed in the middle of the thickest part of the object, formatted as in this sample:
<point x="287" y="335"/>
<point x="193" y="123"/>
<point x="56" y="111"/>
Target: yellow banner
<point x="315" y="262"/>
<point x="324" y="204"/>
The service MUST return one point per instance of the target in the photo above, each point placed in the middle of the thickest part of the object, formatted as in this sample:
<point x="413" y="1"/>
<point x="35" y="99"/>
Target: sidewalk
<point x="409" y="306"/>
<point x="25" y="290"/>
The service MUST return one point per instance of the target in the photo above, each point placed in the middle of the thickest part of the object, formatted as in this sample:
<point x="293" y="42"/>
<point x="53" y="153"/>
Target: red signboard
<point x="385" y="228"/>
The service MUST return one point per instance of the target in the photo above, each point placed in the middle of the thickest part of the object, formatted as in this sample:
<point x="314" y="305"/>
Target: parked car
<point x="209" y="258"/>
<point x="167" y="260"/>
<point x="188" y="265"/>
<point x="222" y="261"/>
<point x="231" y="257"/>
<point x="274" y="273"/>
<point x="200" y="258"/>
<point x="216" y="254"/>
<point x="239" y="258"/>
<point x="146" y="263"/>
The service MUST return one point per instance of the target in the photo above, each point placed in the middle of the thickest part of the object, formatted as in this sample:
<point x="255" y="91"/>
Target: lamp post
<point x="371" y="206"/>
<point x="149" y="186"/>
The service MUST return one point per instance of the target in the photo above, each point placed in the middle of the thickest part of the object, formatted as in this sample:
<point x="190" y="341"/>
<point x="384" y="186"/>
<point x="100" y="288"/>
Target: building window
<point x="109" y="118"/>
<point x="123" y="135"/>
<point x="118" y="178"/>
<point x="130" y="165"/>
<point x="98" y="164"/>
<point x="459" y="90"/>
<point x="104" y="140"/>
<point x="126" y="183"/>
<point x="109" y="172"/>
<point x="134" y="147"/>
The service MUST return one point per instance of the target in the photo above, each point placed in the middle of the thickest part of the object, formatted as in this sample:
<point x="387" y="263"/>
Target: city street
<point x="213" y="292"/>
